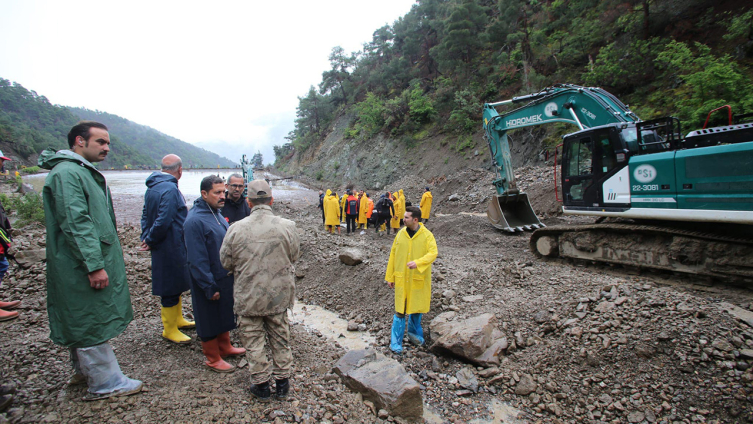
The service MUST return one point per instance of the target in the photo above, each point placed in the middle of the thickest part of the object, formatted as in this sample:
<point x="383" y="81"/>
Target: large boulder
<point x="351" y="256"/>
<point x="382" y="381"/>
<point x="475" y="339"/>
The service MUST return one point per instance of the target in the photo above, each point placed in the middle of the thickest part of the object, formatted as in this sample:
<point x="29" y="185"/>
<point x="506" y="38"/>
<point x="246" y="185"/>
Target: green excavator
<point x="681" y="203"/>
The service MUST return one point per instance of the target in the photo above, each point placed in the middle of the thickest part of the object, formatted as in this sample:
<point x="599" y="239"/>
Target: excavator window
<point x="579" y="168"/>
<point x="608" y="157"/>
<point x="581" y="158"/>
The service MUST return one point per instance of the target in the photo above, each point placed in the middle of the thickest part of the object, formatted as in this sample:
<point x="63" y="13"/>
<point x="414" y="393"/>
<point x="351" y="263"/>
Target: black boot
<point x="261" y="391"/>
<point x="282" y="387"/>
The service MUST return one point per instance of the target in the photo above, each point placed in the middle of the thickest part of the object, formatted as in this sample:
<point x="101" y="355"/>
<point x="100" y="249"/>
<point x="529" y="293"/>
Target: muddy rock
<point x="467" y="379"/>
<point x="351" y="256"/>
<point x="468" y="339"/>
<point x="27" y="258"/>
<point x="491" y="355"/>
<point x="525" y="386"/>
<point x="382" y="381"/>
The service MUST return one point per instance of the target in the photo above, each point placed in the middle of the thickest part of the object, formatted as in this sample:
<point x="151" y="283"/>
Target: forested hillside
<point x="29" y="123"/>
<point x="419" y="85"/>
<point x="153" y="143"/>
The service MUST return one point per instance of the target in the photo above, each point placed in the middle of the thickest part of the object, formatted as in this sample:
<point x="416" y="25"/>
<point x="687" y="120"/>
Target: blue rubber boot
<point x="415" y="332"/>
<point x="398" y="330"/>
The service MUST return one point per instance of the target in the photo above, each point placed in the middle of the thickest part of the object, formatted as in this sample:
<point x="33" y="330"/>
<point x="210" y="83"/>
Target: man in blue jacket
<point x="211" y="286"/>
<point x="162" y="233"/>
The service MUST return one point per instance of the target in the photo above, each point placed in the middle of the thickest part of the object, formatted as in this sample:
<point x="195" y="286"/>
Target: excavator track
<point x="729" y="258"/>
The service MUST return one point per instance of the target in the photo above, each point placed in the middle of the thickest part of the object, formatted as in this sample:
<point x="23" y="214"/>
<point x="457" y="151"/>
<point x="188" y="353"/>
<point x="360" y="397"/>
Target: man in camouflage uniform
<point x="260" y="252"/>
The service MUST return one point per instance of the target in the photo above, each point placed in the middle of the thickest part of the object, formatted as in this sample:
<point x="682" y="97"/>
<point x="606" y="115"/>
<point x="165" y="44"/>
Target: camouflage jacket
<point x="260" y="250"/>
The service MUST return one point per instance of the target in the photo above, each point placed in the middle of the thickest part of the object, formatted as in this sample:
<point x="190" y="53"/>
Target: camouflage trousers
<point x="255" y="332"/>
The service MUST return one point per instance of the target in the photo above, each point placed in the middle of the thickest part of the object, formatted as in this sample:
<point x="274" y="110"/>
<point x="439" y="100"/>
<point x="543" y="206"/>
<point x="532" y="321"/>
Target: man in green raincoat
<point x="88" y="302"/>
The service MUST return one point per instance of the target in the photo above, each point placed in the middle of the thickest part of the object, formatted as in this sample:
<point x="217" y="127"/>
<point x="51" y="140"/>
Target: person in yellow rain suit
<point x="342" y="205"/>
<point x="363" y="207"/>
<point x="397" y="219"/>
<point x="426" y="205"/>
<point x="400" y="206"/>
<point x="409" y="273"/>
<point x="331" y="212"/>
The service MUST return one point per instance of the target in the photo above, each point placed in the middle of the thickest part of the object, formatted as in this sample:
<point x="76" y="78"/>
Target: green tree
<point x="336" y="77"/>
<point x="707" y="81"/>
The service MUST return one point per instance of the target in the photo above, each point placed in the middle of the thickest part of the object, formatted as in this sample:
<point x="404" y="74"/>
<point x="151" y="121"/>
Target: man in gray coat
<point x="260" y="251"/>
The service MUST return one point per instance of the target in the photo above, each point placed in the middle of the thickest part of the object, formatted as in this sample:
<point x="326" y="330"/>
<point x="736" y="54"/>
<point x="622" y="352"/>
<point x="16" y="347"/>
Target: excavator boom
<point x="510" y="209"/>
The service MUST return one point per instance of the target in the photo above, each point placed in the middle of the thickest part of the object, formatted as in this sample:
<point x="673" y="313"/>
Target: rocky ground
<point x="586" y="343"/>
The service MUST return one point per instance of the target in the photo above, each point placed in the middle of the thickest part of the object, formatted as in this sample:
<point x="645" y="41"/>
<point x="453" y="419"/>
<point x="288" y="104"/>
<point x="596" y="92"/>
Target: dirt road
<point x="597" y="344"/>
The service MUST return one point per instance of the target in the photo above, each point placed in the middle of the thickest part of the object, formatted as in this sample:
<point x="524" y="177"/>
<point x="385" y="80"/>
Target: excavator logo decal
<point x="645" y="173"/>
<point x="523" y="121"/>
<point x="550" y="109"/>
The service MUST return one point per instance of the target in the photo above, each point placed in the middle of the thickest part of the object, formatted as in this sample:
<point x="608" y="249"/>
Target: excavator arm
<point x="585" y="107"/>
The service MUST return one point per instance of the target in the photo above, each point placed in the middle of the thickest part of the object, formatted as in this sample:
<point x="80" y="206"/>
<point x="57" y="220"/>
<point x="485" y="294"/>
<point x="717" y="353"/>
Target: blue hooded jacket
<point x="204" y="231"/>
<point x="162" y="229"/>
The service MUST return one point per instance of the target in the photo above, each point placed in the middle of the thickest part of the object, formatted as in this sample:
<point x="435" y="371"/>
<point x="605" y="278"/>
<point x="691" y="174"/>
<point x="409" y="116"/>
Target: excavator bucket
<point x="512" y="212"/>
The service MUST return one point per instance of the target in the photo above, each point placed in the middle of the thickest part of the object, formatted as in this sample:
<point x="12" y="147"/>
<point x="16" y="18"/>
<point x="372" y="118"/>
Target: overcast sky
<point x="224" y="73"/>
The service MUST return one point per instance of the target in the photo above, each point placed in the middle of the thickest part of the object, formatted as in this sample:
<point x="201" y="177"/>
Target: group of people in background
<point x="359" y="211"/>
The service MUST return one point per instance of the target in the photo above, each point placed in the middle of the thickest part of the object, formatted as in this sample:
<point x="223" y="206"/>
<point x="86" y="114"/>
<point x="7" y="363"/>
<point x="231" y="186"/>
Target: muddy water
<point x="128" y="189"/>
<point x="330" y="326"/>
<point x="132" y="183"/>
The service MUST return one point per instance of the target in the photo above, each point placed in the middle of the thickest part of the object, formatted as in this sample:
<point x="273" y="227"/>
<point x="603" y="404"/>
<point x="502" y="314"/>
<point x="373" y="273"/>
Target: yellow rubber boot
<point x="169" y="321"/>
<point x="182" y="322"/>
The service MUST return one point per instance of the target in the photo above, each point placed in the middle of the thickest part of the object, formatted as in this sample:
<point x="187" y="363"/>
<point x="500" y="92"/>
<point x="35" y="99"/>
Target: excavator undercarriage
<point x="724" y="257"/>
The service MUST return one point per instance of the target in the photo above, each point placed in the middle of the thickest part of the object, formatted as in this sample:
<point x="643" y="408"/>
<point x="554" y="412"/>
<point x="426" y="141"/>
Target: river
<point x="128" y="188"/>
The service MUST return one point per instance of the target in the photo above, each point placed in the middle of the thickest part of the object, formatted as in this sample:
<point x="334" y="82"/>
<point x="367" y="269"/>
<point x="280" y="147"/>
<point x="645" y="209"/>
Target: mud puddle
<point x="330" y="326"/>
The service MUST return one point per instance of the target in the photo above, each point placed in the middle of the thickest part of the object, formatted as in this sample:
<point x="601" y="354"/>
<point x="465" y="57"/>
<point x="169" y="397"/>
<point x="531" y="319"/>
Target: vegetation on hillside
<point x="29" y="123"/>
<point x="432" y="69"/>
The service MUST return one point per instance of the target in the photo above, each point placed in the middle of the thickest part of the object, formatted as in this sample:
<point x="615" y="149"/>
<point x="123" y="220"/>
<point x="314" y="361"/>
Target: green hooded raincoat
<point x="81" y="238"/>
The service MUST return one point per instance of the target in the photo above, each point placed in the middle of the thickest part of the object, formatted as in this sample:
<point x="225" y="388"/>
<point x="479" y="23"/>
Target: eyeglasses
<point x="237" y="185"/>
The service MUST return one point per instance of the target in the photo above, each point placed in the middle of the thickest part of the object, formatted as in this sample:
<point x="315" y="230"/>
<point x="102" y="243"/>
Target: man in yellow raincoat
<point x="342" y="205"/>
<point x="426" y="205"/>
<point x="363" y="207"/>
<point x="397" y="220"/>
<point x="409" y="273"/>
<point x="331" y="211"/>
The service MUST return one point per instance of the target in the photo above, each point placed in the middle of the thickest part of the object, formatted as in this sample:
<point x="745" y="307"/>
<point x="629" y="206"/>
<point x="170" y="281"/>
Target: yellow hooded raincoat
<point x="343" y="200"/>
<point x="331" y="209"/>
<point x="399" y="209"/>
<point x="425" y="205"/>
<point x="412" y="286"/>
<point x="363" y="209"/>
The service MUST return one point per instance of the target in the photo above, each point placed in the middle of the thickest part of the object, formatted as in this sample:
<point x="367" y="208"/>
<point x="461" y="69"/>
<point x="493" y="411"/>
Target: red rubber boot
<point x="226" y="349"/>
<point x="214" y="360"/>
<point x="5" y="315"/>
